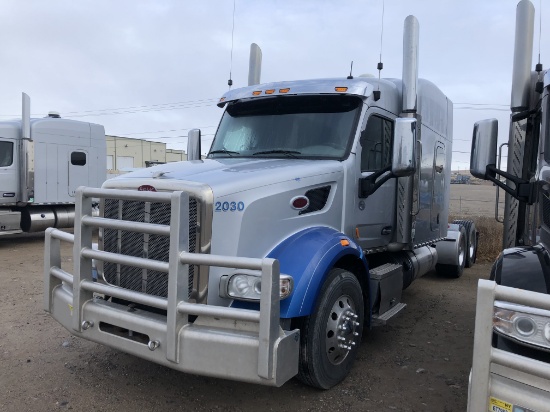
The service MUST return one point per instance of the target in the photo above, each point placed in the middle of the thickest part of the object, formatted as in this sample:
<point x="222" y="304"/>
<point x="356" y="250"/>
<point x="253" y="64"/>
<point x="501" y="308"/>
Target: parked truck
<point x="318" y="203"/>
<point x="42" y="162"/>
<point x="511" y="361"/>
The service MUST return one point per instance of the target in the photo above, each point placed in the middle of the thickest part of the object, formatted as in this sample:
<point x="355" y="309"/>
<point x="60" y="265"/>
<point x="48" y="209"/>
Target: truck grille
<point x="154" y="247"/>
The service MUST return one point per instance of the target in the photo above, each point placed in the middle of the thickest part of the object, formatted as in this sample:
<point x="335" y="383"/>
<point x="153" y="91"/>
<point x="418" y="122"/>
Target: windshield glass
<point x="6" y="154"/>
<point x="288" y="126"/>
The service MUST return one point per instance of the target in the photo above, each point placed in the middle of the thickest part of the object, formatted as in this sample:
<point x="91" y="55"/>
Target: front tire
<point x="331" y="335"/>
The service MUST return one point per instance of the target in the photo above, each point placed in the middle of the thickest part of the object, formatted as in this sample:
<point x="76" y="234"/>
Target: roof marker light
<point x="270" y="91"/>
<point x="256" y="93"/>
<point x="284" y="90"/>
<point x="222" y="99"/>
<point x="341" y="89"/>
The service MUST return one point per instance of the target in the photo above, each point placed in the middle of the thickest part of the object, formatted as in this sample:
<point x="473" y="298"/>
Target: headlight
<point x="248" y="286"/>
<point x="522" y="323"/>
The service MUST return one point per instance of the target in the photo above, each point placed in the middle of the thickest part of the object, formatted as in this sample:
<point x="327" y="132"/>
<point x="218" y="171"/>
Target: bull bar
<point x="224" y="342"/>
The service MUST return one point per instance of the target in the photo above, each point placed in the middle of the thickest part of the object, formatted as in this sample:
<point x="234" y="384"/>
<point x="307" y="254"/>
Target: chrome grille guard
<point x="274" y="351"/>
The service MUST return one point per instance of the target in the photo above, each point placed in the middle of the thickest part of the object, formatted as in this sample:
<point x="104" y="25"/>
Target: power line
<point x="482" y="108"/>
<point x="132" y="109"/>
<point x="167" y="131"/>
<point x="485" y="104"/>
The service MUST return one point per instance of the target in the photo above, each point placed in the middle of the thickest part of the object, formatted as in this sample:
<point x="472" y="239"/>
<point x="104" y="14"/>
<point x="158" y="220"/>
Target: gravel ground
<point x="420" y="361"/>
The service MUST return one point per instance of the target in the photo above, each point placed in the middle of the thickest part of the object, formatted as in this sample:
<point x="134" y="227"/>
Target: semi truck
<point x="319" y="201"/>
<point x="511" y="359"/>
<point x="42" y="162"/>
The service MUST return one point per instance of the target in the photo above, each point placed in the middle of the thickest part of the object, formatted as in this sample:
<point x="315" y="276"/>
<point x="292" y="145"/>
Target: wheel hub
<point x="342" y="330"/>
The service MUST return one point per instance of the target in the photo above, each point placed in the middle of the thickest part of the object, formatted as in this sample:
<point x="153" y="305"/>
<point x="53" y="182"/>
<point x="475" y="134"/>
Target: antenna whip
<point x="230" y="81"/>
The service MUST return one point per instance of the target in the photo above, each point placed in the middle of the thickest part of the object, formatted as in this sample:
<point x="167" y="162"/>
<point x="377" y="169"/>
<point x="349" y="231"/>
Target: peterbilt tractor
<point x="42" y="162"/>
<point x="318" y="202"/>
<point x="511" y="360"/>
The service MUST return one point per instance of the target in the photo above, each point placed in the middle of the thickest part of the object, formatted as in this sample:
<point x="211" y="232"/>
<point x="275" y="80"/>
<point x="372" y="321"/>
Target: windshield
<point x="288" y="126"/>
<point x="6" y="154"/>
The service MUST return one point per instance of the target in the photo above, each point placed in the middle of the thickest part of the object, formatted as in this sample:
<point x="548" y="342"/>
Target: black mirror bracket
<point x="525" y="191"/>
<point x="370" y="184"/>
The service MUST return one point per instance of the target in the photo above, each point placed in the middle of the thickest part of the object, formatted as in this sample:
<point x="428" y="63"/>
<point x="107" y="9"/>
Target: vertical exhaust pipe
<point x="523" y="55"/>
<point x="410" y="63"/>
<point x="194" y="144"/>
<point x="255" y="65"/>
<point x="515" y="228"/>
<point x="24" y="150"/>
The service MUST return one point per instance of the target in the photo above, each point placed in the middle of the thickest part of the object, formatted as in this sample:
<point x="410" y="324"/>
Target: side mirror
<point x="194" y="144"/>
<point x="484" y="147"/>
<point x="404" y="143"/>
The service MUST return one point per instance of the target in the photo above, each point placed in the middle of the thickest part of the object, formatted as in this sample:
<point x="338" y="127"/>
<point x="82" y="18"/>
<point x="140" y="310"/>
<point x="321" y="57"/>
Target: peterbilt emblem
<point x="146" y="188"/>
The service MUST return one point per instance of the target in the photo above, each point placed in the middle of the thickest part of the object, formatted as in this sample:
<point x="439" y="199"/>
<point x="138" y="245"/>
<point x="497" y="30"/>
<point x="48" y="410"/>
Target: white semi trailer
<point x="42" y="162"/>
<point x="318" y="203"/>
<point x="511" y="360"/>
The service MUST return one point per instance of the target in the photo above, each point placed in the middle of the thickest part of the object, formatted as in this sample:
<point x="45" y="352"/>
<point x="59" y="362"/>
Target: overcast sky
<point x="154" y="69"/>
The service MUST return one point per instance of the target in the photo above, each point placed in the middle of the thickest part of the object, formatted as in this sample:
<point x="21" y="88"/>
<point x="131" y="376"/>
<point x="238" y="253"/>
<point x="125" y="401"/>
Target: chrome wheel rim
<point x="461" y="253"/>
<point x="342" y="331"/>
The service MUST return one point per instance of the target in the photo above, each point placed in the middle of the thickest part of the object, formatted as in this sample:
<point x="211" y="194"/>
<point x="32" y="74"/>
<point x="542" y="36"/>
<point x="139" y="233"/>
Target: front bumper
<point x="230" y="343"/>
<point x="211" y="347"/>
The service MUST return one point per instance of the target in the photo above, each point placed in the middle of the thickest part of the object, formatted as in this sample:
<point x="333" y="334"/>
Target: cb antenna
<point x="380" y="65"/>
<point x="230" y="81"/>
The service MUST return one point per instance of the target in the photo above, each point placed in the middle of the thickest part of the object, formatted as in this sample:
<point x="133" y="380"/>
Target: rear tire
<point x="471" y="241"/>
<point x="331" y="335"/>
<point x="455" y="271"/>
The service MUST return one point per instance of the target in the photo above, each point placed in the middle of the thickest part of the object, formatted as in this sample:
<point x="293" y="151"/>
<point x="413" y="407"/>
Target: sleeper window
<point x="78" y="158"/>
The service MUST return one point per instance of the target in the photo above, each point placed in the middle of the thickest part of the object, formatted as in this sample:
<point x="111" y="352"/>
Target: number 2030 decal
<point x="229" y="206"/>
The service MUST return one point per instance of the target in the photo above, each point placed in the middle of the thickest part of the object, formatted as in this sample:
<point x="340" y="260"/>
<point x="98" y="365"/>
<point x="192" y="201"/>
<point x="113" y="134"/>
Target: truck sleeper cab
<point x="42" y="162"/>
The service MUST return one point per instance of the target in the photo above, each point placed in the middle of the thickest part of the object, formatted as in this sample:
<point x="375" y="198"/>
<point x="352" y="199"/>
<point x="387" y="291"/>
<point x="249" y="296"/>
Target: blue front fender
<point x="308" y="256"/>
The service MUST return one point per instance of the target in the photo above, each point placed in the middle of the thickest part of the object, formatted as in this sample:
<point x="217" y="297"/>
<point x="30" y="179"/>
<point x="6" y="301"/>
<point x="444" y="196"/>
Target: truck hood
<point x="227" y="176"/>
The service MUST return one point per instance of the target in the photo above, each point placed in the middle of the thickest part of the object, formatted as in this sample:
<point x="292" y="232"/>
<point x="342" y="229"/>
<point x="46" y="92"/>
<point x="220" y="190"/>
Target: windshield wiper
<point x="289" y="153"/>
<point x="228" y="152"/>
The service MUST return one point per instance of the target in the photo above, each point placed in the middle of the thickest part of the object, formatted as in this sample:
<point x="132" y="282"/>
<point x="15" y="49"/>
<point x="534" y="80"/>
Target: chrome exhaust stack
<point x="255" y="65"/>
<point x="410" y="64"/>
<point x="523" y="55"/>
<point x="25" y="180"/>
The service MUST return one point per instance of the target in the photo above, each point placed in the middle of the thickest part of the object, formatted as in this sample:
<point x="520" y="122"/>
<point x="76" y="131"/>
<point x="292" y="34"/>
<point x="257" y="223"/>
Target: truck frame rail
<point x="220" y="341"/>
<point x="498" y="376"/>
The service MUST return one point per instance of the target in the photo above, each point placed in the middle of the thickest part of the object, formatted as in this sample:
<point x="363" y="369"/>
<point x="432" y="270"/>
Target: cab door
<point x="375" y="215"/>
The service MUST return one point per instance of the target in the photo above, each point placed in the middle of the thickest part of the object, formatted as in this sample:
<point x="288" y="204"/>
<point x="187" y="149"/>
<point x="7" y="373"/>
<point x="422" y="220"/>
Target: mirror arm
<point x="370" y="184"/>
<point x="525" y="191"/>
<point x="523" y="115"/>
